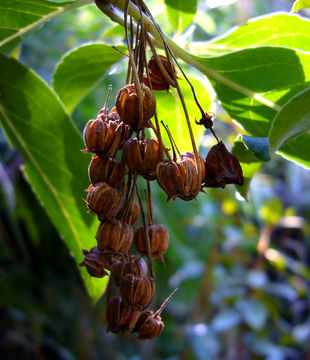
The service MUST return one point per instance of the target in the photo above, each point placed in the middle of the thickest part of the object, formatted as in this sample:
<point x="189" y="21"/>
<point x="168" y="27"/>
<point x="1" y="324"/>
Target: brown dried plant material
<point x="104" y="200"/>
<point x="107" y="170"/>
<point x="149" y="325"/>
<point x="222" y="168"/>
<point x="159" y="240"/>
<point x="157" y="78"/>
<point x="103" y="137"/>
<point x="181" y="178"/>
<point x="137" y="290"/>
<point x="132" y="213"/>
<point x="135" y="266"/>
<point x="121" y="317"/>
<point x="127" y="105"/>
<point x="94" y="262"/>
<point x="142" y="156"/>
<point x="112" y="235"/>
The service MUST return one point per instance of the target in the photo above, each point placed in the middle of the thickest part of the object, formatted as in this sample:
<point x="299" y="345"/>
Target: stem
<point x="158" y="312"/>
<point x="186" y="56"/>
<point x="148" y="245"/>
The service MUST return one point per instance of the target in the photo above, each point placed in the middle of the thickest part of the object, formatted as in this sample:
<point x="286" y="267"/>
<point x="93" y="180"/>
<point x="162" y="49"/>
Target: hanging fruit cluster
<point x="122" y="153"/>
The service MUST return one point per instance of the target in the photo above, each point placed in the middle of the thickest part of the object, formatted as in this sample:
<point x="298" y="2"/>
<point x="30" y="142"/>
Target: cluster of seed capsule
<point x="120" y="134"/>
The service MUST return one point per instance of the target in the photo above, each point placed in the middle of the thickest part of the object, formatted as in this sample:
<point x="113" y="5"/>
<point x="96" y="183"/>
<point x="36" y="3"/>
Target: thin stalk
<point x="148" y="245"/>
<point x="158" y="312"/>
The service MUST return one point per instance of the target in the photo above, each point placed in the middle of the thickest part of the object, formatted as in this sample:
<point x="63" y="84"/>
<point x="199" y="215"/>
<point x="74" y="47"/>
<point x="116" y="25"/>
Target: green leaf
<point x="36" y="123"/>
<point x="249" y="163"/>
<point x="297" y="150"/>
<point x="181" y="13"/>
<point x="281" y="30"/>
<point x="292" y="120"/>
<point x="17" y="18"/>
<point x="81" y="69"/>
<point x="300" y="5"/>
<point x="253" y="84"/>
<point x="170" y="111"/>
<point x="258" y="145"/>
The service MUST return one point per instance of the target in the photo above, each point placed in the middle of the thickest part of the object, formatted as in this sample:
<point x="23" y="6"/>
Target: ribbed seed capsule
<point x="112" y="235"/>
<point x="181" y="178"/>
<point x="137" y="290"/>
<point x="222" y="167"/>
<point x="129" y="215"/>
<point x="149" y="325"/>
<point x="127" y="105"/>
<point x="159" y="240"/>
<point x="102" y="137"/>
<point x="104" y="200"/>
<point x="142" y="156"/>
<point x="157" y="78"/>
<point x="107" y="170"/>
<point x="121" y="317"/>
<point x="136" y="266"/>
<point x="94" y="262"/>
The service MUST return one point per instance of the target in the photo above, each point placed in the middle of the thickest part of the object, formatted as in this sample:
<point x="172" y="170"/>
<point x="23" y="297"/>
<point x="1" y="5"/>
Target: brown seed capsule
<point x="157" y="78"/>
<point x="94" y="262"/>
<point x="149" y="325"/>
<point x="103" y="137"/>
<point x="120" y="316"/>
<point x="107" y="170"/>
<point x="103" y="200"/>
<point x="136" y="267"/>
<point x="137" y="290"/>
<point x="112" y="235"/>
<point x="129" y="213"/>
<point x="159" y="240"/>
<point x="222" y="168"/>
<point x="127" y="105"/>
<point x="181" y="178"/>
<point x="142" y="156"/>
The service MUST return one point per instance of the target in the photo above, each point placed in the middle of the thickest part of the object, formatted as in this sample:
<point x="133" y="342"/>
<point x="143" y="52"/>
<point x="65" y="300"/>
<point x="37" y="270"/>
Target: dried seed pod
<point x="136" y="266"/>
<point x="103" y="137"/>
<point x="137" y="290"/>
<point x="94" y="262"/>
<point x="222" y="168"/>
<point x="129" y="213"/>
<point x="112" y="235"/>
<point x="107" y="170"/>
<point x="142" y="156"/>
<point x="149" y="325"/>
<point x="127" y="105"/>
<point x="181" y="178"/>
<point x="159" y="240"/>
<point x="157" y="78"/>
<point x="120" y="316"/>
<point x="104" y="200"/>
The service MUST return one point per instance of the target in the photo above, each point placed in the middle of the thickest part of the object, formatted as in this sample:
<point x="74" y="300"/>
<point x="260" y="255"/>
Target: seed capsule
<point x="94" y="262"/>
<point x="129" y="213"/>
<point x="104" y="200"/>
<point x="149" y="325"/>
<point x="142" y="156"/>
<point x="102" y="137"/>
<point x="222" y="168"/>
<point x="120" y="316"/>
<point x="137" y="290"/>
<point x="157" y="78"/>
<point x="159" y="240"/>
<point x="107" y="170"/>
<point x="127" y="105"/>
<point x="181" y="178"/>
<point x="136" y="267"/>
<point x="112" y="235"/>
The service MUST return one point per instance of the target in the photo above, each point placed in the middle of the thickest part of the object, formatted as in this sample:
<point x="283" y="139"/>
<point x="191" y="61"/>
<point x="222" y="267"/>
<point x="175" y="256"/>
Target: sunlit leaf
<point x="36" y="123"/>
<point x="272" y="29"/>
<point x="81" y="69"/>
<point x="181" y="13"/>
<point x="170" y="111"/>
<point x="292" y="120"/>
<point x="300" y="5"/>
<point x="17" y="18"/>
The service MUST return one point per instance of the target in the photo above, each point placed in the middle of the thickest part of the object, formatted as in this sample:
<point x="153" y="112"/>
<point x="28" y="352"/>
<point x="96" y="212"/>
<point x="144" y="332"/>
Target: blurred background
<point x="243" y="268"/>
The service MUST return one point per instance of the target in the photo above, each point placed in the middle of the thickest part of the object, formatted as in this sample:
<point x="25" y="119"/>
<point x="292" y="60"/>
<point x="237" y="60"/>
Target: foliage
<point x="259" y="72"/>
